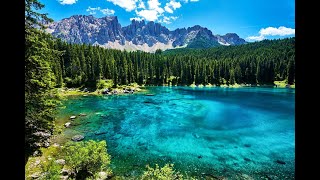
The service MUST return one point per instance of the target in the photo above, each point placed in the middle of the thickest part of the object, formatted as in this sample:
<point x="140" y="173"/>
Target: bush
<point x="87" y="158"/>
<point x="51" y="170"/>
<point x="101" y="84"/>
<point x="165" y="173"/>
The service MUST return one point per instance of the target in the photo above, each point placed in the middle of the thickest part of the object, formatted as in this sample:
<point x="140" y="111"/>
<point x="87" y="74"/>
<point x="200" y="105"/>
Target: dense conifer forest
<point x="254" y="63"/>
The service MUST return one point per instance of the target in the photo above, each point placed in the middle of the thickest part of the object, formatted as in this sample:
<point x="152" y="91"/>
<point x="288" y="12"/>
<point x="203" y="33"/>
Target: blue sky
<point x="252" y="20"/>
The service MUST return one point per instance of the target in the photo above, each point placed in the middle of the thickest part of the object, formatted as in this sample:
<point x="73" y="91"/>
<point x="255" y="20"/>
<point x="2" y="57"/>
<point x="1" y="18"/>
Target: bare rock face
<point x="100" y="31"/>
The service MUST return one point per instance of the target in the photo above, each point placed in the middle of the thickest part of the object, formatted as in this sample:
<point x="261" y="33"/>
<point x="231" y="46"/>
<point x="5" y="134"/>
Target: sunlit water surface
<point x="238" y="133"/>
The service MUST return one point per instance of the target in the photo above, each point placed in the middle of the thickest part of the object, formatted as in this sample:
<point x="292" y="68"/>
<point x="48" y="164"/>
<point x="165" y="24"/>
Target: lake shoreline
<point x="141" y="89"/>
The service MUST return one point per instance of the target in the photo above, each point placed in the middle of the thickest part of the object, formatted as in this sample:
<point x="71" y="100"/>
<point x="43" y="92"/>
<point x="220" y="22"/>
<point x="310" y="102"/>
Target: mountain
<point x="139" y="35"/>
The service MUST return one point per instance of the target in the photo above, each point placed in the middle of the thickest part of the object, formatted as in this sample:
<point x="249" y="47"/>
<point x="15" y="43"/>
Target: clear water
<point x="238" y="133"/>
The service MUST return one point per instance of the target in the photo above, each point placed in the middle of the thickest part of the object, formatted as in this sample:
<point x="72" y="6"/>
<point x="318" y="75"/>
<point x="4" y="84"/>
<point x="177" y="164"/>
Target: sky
<point x="253" y="20"/>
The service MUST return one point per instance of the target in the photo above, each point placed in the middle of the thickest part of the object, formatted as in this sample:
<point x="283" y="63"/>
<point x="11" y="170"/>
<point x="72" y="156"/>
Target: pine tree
<point x="40" y="101"/>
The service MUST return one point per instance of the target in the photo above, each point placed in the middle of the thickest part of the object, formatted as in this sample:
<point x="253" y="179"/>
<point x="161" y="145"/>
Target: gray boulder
<point x="77" y="138"/>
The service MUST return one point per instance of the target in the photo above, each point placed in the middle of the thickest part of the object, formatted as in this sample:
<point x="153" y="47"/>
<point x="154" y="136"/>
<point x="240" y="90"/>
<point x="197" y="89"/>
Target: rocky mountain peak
<point x="138" y="35"/>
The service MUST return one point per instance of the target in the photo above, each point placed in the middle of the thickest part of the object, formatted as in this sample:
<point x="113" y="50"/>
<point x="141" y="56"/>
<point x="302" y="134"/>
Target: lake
<point x="238" y="133"/>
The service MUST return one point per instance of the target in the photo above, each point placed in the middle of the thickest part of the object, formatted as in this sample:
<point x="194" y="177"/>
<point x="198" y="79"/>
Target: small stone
<point x="280" y="162"/>
<point x="77" y="138"/>
<point x="64" y="172"/>
<point x="64" y="177"/>
<point x="73" y="117"/>
<point x="102" y="175"/>
<point x="247" y="145"/>
<point x="35" y="175"/>
<point x="67" y="124"/>
<point x="61" y="161"/>
<point x="82" y="114"/>
<point x="37" y="162"/>
<point x="100" y="132"/>
<point x="36" y="153"/>
<point x="46" y="144"/>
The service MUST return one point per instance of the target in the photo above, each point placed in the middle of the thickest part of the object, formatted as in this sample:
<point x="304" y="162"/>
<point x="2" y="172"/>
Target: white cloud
<point x="154" y="12"/>
<point x="272" y="31"/>
<point x="194" y="0"/>
<point x="107" y="11"/>
<point x="92" y="10"/>
<point x="255" y="38"/>
<point x="168" y="9"/>
<point x="141" y="5"/>
<point x="136" y="18"/>
<point x="128" y="5"/>
<point x="150" y="15"/>
<point x="167" y="20"/>
<point x="281" y="31"/>
<point x="103" y="11"/>
<point x="69" y="2"/>
<point x="172" y="5"/>
<point x="155" y="5"/>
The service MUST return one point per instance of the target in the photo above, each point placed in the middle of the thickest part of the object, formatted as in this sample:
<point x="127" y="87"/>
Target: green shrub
<point x="87" y="158"/>
<point x="101" y="84"/>
<point x="165" y="173"/>
<point x="51" y="170"/>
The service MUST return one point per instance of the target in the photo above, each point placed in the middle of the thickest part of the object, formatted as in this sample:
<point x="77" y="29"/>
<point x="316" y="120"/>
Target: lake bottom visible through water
<point x="238" y="133"/>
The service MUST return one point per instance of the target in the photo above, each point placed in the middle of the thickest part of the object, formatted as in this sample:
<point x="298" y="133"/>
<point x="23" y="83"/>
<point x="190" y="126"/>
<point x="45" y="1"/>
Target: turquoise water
<point x="238" y="133"/>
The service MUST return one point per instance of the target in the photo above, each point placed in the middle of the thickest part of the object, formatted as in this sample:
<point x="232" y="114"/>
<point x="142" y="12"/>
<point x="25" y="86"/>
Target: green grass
<point x="282" y="84"/>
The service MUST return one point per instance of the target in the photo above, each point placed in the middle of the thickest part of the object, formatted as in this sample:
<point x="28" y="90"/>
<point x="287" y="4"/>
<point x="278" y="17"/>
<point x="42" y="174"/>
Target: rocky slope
<point x="139" y="35"/>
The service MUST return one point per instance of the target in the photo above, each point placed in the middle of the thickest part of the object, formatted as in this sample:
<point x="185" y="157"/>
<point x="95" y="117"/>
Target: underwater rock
<point x="141" y="144"/>
<point x="73" y="117"/>
<point x="77" y="138"/>
<point x="100" y="132"/>
<point x="247" y="159"/>
<point x="246" y="177"/>
<point x="200" y="157"/>
<point x="67" y="124"/>
<point x="247" y="145"/>
<point x="82" y="114"/>
<point x="195" y="135"/>
<point x="280" y="162"/>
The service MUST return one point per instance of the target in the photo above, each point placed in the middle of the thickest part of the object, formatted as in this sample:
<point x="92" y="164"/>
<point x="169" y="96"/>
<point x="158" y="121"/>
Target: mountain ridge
<point x="138" y="35"/>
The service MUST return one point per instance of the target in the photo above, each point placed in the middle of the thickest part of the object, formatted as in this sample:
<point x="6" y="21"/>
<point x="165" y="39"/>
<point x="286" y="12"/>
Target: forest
<point x="51" y="63"/>
<point x="255" y="63"/>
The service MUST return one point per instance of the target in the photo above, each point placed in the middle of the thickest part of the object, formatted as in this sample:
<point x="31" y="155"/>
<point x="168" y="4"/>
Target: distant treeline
<point x="254" y="63"/>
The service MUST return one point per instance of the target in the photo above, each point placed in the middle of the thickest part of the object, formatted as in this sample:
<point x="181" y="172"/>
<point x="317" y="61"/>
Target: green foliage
<point x="51" y="170"/>
<point x="87" y="156"/>
<point x="101" y="84"/>
<point x="158" y="51"/>
<point x="260" y="62"/>
<point x="40" y="80"/>
<point x="202" y="43"/>
<point x="165" y="173"/>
